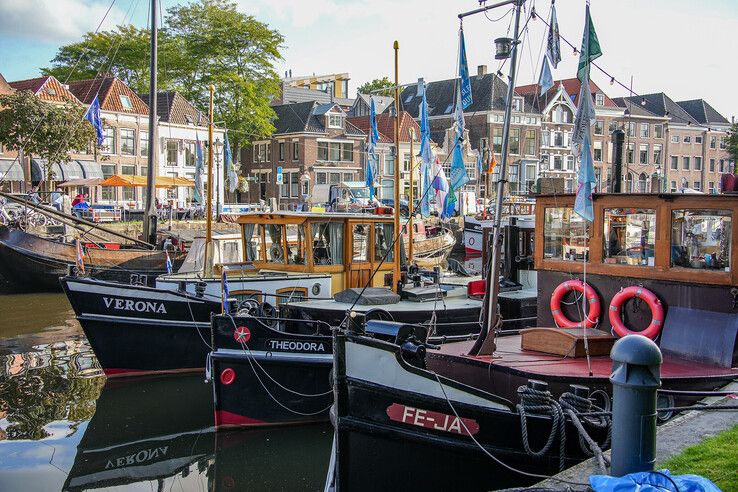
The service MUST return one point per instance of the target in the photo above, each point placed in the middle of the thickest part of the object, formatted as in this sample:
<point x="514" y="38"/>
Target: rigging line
<point x="486" y="14"/>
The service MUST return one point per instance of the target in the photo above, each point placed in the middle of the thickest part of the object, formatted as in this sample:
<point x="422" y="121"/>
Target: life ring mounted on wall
<point x="591" y="317"/>
<point x="657" y="311"/>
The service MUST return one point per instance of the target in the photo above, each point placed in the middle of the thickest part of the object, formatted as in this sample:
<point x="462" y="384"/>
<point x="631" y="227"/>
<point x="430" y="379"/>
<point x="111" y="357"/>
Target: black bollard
<point x="636" y="375"/>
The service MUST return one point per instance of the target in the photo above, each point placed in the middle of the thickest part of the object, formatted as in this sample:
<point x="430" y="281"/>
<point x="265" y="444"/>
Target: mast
<point x="207" y="267"/>
<point x="149" y="226"/>
<point x="410" y="230"/>
<point x="485" y="343"/>
<point x="396" y="273"/>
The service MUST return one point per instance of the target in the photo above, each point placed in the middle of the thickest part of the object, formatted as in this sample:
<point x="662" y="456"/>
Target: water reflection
<point x="63" y="426"/>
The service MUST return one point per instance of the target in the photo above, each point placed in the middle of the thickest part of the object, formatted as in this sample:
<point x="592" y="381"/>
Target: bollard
<point x="636" y="368"/>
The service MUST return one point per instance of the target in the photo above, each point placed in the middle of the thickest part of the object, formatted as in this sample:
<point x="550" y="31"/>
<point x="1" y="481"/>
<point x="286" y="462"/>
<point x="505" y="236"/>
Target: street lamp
<point x="218" y="148"/>
<point x="305" y="188"/>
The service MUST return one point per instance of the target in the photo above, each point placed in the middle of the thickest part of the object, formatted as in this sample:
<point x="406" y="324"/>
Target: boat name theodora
<point x="139" y="306"/>
<point x="299" y="346"/>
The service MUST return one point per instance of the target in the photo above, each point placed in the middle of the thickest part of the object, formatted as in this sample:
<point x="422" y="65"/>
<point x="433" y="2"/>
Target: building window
<point x="515" y="140"/>
<point x="144" y="143"/>
<point x="657" y="153"/>
<point x="497" y="140"/>
<point x="347" y="152"/>
<point x="673" y="187"/>
<point x="675" y="139"/>
<point x="687" y="139"/>
<point x="128" y="170"/>
<point x="190" y="154"/>
<point x="631" y="129"/>
<point x="281" y="151"/>
<point x="321" y="178"/>
<point x="335" y="121"/>
<point x="598" y="151"/>
<point x="698" y="163"/>
<point x="295" y="151"/>
<point x="599" y="128"/>
<point x="570" y="162"/>
<point x="558" y="163"/>
<point x="630" y="153"/>
<point x="517" y="104"/>
<point x="658" y="131"/>
<point x="127" y="141"/>
<point x="561" y="114"/>
<point x="642" y="181"/>
<point x="613" y="126"/>
<point x="600" y="99"/>
<point x="643" y="153"/>
<point x="125" y="101"/>
<point x="674" y="163"/>
<point x="262" y="152"/>
<point x="558" y="139"/>
<point x="294" y="185"/>
<point x="712" y="165"/>
<point x="530" y="142"/>
<point x="711" y="187"/>
<point x="172" y="148"/>
<point x="713" y="142"/>
<point x="723" y="143"/>
<point x="564" y="235"/>
<point x="722" y="166"/>
<point x="685" y="163"/>
<point x="335" y="151"/>
<point x="108" y="146"/>
<point x="284" y="188"/>
<point x="545" y="138"/>
<point x="698" y="185"/>
<point x="629" y="236"/>
<point x="389" y="165"/>
<point x="698" y="139"/>
<point x="701" y="239"/>
<point x="644" y="130"/>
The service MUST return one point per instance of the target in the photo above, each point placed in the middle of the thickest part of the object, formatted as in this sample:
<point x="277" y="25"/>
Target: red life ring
<point x="591" y="316"/>
<point x="657" y="311"/>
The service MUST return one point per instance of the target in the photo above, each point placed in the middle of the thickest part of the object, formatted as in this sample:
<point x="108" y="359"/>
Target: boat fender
<point x="591" y="316"/>
<point x="657" y="311"/>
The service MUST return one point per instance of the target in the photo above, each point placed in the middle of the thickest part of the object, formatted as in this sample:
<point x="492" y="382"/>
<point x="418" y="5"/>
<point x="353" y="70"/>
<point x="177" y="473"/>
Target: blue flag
<point x="229" y="165"/>
<point x="459" y="117"/>
<point x="199" y="165"/>
<point x="93" y="116"/>
<point x="587" y="181"/>
<point x="226" y="294"/>
<point x="466" y="91"/>
<point x="458" y="170"/>
<point x="545" y="81"/>
<point x="373" y="158"/>
<point x="426" y="154"/>
<point x="553" y="46"/>
<point x="480" y="163"/>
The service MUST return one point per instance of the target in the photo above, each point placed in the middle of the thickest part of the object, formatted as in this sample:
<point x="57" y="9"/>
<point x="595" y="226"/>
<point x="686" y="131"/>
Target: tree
<point x="732" y="145"/>
<point x="201" y="43"/>
<point x="383" y="87"/>
<point x="48" y="131"/>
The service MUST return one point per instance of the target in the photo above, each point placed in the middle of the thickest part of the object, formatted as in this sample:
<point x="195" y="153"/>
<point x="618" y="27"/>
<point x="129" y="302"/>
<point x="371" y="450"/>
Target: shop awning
<point x="161" y="181"/>
<point x="62" y="171"/>
<point x="11" y="170"/>
<point x="81" y="182"/>
<point x="92" y="169"/>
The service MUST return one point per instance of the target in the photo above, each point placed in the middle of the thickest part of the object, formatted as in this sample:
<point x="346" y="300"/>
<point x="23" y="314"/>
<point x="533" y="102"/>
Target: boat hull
<point x="272" y="378"/>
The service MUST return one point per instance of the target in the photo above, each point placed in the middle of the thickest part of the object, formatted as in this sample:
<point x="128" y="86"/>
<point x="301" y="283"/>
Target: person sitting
<point x="81" y="205"/>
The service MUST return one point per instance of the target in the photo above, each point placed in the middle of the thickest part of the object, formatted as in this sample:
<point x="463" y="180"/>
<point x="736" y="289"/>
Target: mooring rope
<point x="540" y="402"/>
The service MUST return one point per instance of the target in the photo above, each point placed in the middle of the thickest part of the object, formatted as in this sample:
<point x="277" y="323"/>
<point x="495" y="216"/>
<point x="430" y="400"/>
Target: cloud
<point x="55" y="21"/>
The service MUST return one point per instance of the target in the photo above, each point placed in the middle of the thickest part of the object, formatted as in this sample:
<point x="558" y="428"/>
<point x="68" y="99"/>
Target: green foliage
<point x="715" y="458"/>
<point x="45" y="130"/>
<point x="201" y="43"/>
<point x="377" y="85"/>
<point x="732" y="144"/>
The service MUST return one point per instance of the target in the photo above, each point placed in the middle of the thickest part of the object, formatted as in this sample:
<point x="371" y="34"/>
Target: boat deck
<point x="511" y="356"/>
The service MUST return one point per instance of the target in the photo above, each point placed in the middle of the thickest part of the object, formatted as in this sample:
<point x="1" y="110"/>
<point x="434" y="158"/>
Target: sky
<point x="681" y="47"/>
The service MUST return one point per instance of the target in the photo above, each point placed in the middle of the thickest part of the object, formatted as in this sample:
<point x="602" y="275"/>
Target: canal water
<point x="64" y="427"/>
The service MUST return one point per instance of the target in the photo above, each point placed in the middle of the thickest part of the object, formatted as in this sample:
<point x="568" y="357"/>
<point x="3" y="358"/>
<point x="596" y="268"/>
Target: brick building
<point x="313" y="143"/>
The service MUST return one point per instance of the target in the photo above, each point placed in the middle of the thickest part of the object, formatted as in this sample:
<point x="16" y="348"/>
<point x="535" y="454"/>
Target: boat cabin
<point x="348" y="246"/>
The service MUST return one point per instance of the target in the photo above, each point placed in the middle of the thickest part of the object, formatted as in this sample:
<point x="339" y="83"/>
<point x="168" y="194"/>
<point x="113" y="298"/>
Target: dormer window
<point x="125" y="101"/>
<point x="189" y="120"/>
<point x="517" y="104"/>
<point x="335" y="121"/>
<point x="51" y="91"/>
<point x="599" y="99"/>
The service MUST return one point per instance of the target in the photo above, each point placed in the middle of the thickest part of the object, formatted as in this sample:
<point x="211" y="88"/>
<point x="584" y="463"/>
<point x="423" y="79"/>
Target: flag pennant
<point x="169" y="262"/>
<point x="590" y="47"/>
<point x="466" y="91"/>
<point x="480" y="163"/>
<point x="545" y="81"/>
<point x="226" y="294"/>
<point x="459" y="177"/>
<point x="492" y="164"/>
<point x="449" y="204"/>
<point x="230" y="165"/>
<point x="421" y="87"/>
<point x="426" y="153"/>
<point x="553" y="46"/>
<point x="93" y="116"/>
<point x="80" y="258"/>
<point x="373" y="159"/>
<point x="459" y="117"/>
<point x="199" y="165"/>
<point x="587" y="180"/>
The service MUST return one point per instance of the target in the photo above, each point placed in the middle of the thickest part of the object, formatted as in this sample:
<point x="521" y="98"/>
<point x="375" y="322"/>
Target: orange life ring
<point x="593" y="312"/>
<point x="657" y="311"/>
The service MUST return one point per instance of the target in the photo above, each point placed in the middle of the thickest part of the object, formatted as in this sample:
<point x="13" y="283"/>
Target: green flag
<point x="590" y="47"/>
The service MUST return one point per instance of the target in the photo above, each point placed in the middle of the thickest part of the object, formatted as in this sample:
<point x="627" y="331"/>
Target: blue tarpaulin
<point x="661" y="481"/>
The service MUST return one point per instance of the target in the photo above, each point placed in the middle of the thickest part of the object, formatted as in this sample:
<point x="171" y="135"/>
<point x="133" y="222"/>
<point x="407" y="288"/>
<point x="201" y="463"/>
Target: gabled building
<point x="335" y="84"/>
<point x="47" y="88"/>
<point x="180" y="126"/>
<point x="5" y="87"/>
<point x="313" y="144"/>
<point x="362" y="105"/>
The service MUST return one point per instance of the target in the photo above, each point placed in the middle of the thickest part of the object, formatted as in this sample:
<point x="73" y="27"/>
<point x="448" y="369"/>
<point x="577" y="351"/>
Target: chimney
<point x="290" y="73"/>
<point x="481" y="70"/>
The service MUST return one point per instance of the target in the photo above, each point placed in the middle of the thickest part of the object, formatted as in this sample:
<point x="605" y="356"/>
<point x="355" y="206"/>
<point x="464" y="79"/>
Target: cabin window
<point x="701" y="239"/>
<point x="383" y="239"/>
<point x="291" y="294"/>
<point x="295" y="244"/>
<point x="252" y="236"/>
<point x="564" y="235"/>
<point x="273" y="243"/>
<point x="327" y="243"/>
<point x="360" y="246"/>
<point x="630" y="235"/>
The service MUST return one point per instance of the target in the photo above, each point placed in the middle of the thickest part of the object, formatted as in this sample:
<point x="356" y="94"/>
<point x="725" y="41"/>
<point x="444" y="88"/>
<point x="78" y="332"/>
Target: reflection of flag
<point x="226" y="294"/>
<point x="492" y="164"/>
<point x="199" y="192"/>
<point x="553" y="48"/>
<point x="466" y="92"/>
<point x="93" y="116"/>
<point x="169" y="262"/>
<point x="230" y="165"/>
<point x="80" y="258"/>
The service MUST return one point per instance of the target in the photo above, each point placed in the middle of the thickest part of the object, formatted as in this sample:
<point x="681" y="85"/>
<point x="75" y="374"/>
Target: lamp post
<point x="218" y="147"/>
<point x="305" y="190"/>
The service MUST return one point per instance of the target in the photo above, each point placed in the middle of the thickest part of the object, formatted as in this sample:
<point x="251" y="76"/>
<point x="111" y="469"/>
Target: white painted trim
<point x="127" y="292"/>
<point x="277" y="356"/>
